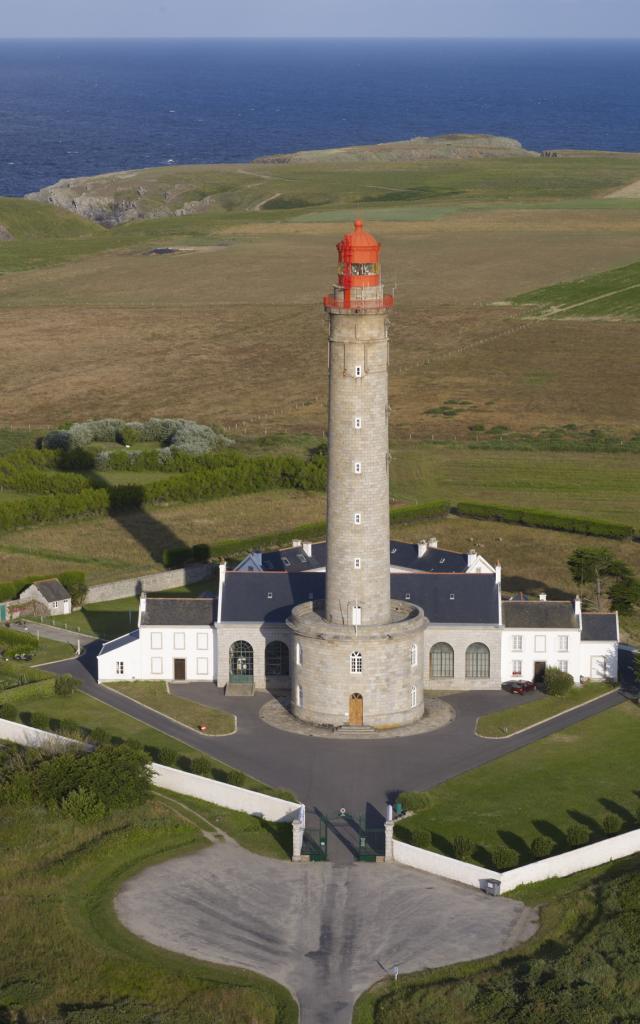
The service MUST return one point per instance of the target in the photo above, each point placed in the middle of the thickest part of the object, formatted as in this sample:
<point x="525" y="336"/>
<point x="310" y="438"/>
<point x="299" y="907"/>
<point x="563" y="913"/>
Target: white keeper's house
<point x="360" y="626"/>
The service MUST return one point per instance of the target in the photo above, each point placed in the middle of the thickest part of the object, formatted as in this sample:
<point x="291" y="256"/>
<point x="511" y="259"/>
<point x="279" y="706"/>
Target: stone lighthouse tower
<point x="358" y="658"/>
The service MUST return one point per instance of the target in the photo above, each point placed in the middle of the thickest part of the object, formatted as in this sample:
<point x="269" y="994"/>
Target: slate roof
<point x="599" y="626"/>
<point x="52" y="590"/>
<point x="245" y="596"/>
<point x="539" y="615"/>
<point x="121" y="641"/>
<point x="405" y="556"/>
<point x="180" y="611"/>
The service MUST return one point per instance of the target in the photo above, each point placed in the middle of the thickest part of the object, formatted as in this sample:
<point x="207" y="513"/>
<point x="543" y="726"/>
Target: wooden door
<point x="179" y="669"/>
<point x="356" y="709"/>
<point x="538" y="671"/>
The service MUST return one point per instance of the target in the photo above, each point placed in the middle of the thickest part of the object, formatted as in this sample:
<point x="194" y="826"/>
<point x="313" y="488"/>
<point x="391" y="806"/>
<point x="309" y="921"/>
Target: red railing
<point x="331" y="302"/>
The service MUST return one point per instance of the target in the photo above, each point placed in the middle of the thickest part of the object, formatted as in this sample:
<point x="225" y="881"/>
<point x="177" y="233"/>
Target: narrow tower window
<point x="414" y="658"/>
<point x="298" y="654"/>
<point x="358" y="422"/>
<point x="357" y="467"/>
<point x="358" y="371"/>
<point x="356" y="615"/>
<point x="356" y="662"/>
<point x="356" y="563"/>
<point x="357" y="518"/>
<point x="414" y="697"/>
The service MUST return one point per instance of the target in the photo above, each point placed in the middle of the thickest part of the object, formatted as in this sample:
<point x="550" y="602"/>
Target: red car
<point x="521" y="686"/>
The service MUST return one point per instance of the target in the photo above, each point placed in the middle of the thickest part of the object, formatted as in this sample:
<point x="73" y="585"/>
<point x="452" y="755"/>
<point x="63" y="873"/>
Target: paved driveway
<point x="325" y="932"/>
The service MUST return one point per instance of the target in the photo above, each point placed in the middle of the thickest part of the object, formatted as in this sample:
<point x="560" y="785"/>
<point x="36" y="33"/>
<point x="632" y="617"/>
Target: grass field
<point x="521" y="716"/>
<point x="155" y="694"/>
<point x="65" y="955"/>
<point x="577" y="775"/>
<point x="615" y="293"/>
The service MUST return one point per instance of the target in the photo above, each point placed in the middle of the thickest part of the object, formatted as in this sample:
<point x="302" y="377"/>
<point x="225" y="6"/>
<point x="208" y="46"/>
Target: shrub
<point x="462" y="847"/>
<point x="556" y="682"/>
<point x="133" y="744"/>
<point x="76" y="584"/>
<point x="9" y="711"/>
<point x="578" y="835"/>
<point x="415" y="801"/>
<point x="39" y="720"/>
<point x="236" y="778"/>
<point x="611" y="824"/>
<point x="175" y="558"/>
<point x="166" y="756"/>
<point x="65" y="685"/>
<point x="624" y="595"/>
<point x="83" y="806"/>
<point x="17" y="642"/>
<point x="201" y="552"/>
<point x="503" y="858"/>
<point x="70" y="728"/>
<point x="542" y="847"/>
<point x="201" y="766"/>
<point x="99" y="736"/>
<point x="422" y="837"/>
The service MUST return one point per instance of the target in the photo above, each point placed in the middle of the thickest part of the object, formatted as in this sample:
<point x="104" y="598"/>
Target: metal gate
<point x="314" y="841"/>
<point x="364" y="841"/>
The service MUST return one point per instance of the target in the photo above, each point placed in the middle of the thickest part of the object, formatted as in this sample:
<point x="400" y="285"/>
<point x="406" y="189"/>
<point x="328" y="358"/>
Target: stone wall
<point x="156" y="581"/>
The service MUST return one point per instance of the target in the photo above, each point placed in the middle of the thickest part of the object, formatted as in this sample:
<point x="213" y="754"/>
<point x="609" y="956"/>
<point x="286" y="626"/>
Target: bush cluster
<point x="556" y="682"/>
<point x="503" y="858"/>
<point x="33" y="472"/>
<point x="545" y="520"/>
<point x="175" y="558"/>
<point x="49" y="508"/>
<point x="13" y="641"/>
<point x="182" y="435"/>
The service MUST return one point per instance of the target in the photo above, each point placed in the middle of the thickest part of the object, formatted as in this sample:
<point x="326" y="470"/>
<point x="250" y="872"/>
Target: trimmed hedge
<point x="413" y="513"/>
<point x="544" y="520"/>
<point x="49" y="508"/>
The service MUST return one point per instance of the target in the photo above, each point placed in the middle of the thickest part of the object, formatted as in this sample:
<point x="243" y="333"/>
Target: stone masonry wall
<point x="156" y="581"/>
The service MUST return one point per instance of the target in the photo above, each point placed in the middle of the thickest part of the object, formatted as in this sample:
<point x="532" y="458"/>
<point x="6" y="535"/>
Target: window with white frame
<point x="202" y="666"/>
<point x="540" y="643"/>
<point x="516" y="668"/>
<point x="356" y="662"/>
<point x="357" y="563"/>
<point x="563" y="666"/>
<point x="202" y="641"/>
<point x="119" y="668"/>
<point x="356" y="615"/>
<point x="516" y="643"/>
<point x="414" y="696"/>
<point x="358" y="371"/>
<point x="358" y="422"/>
<point x="357" y="467"/>
<point x="156" y="641"/>
<point x="357" y="518"/>
<point x="298" y="654"/>
<point x="563" y="643"/>
<point x="178" y="641"/>
<point x="414" y="658"/>
<point x="156" y="666"/>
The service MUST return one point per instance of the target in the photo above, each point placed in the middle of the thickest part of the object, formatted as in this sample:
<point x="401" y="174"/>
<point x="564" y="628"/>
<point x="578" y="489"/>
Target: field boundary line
<point x="585" y="302"/>
<point x="550" y="718"/>
<point x="169" y="717"/>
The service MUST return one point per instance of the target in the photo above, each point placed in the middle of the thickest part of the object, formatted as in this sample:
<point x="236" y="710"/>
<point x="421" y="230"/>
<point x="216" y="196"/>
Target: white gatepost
<point x="298" y="825"/>
<point x="388" y="835"/>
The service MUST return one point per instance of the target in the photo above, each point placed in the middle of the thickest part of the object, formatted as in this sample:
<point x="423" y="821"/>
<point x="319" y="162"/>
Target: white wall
<point x="551" y="867"/>
<point x="221" y="793"/>
<point x="196" y="644"/>
<point x="551" y="655"/>
<point x="27" y="736"/>
<point x="129" y="655"/>
<point x="592" y="649"/>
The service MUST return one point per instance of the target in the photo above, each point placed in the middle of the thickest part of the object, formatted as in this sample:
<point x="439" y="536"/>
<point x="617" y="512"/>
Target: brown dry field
<point x="108" y="549"/>
<point x="236" y="335"/>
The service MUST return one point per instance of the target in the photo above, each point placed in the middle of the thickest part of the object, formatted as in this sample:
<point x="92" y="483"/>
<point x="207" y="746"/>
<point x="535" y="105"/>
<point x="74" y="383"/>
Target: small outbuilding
<point x="49" y="597"/>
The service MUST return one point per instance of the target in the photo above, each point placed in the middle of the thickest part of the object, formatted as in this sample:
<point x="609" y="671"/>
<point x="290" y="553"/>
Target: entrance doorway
<point x="179" y="669"/>
<point x="538" y="671"/>
<point x="356" y="709"/>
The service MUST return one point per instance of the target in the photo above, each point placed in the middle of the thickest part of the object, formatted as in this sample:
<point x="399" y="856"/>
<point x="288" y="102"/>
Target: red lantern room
<point x="359" y="283"/>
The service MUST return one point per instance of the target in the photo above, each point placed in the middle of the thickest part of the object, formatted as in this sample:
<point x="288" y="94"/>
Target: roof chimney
<point x="307" y="548"/>
<point x="143" y="602"/>
<point x="498" y="573"/>
<point x="543" y="596"/>
<point x="296" y="543"/>
<point x="577" y="607"/>
<point x="432" y="542"/>
<point x="423" y="547"/>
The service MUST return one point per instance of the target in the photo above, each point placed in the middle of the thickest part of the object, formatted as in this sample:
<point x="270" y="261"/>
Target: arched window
<point x="414" y="655"/>
<point x="241" y="659"/>
<point x="441" y="663"/>
<point x="478" y="662"/>
<point x="276" y="658"/>
<point x="356" y="661"/>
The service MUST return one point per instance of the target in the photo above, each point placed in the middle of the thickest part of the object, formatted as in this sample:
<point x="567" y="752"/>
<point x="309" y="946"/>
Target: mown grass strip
<point x="500" y="724"/>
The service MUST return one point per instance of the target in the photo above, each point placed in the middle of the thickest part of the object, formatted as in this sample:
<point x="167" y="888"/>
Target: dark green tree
<point x="594" y="567"/>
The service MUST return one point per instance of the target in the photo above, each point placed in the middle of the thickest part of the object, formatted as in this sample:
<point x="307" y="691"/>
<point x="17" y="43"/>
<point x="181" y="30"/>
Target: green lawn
<point x="582" y="967"/>
<point x="577" y="775"/>
<point x="504" y="723"/>
<point x="267" y="838"/>
<point x="154" y="693"/>
<point x="108" y="619"/>
<point x="614" y="293"/>
<point x="67" y="959"/>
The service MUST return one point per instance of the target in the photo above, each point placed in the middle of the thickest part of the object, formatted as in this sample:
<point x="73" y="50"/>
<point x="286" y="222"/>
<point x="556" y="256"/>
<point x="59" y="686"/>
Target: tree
<point x="624" y="594"/>
<point x="556" y="682"/>
<point x="593" y="567"/>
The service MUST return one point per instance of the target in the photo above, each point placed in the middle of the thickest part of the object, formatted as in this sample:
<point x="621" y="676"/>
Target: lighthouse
<point x="358" y="655"/>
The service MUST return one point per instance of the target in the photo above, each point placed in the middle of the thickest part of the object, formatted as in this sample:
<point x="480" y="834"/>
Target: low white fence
<point x="560" y="866"/>
<point x="234" y="797"/>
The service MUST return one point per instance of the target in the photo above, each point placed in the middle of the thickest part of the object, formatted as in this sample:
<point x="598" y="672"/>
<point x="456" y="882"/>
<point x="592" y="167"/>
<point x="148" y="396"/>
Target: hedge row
<point x="49" y="508"/>
<point x="32" y="472"/>
<point x="544" y="520"/>
<point x="414" y="513"/>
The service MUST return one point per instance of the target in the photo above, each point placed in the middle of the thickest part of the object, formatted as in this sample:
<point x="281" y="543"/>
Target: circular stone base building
<point x="358" y="655"/>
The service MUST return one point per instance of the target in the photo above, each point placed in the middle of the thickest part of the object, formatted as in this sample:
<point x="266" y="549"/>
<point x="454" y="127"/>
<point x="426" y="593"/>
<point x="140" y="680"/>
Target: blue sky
<point x="170" y="18"/>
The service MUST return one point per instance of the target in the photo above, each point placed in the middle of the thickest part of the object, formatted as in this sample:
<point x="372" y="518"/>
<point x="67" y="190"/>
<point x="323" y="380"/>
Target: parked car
<point x="521" y="686"/>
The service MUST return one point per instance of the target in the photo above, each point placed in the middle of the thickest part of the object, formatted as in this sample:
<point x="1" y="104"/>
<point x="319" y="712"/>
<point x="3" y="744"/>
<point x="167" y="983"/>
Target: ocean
<point x="70" y="108"/>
